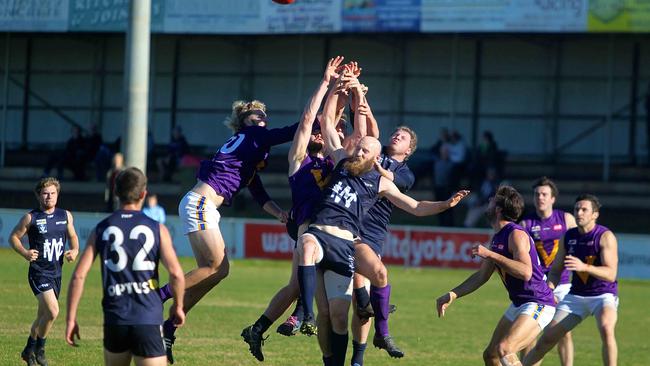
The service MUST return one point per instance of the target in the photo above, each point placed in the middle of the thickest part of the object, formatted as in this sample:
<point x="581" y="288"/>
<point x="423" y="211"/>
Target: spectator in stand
<point x="112" y="203"/>
<point x="478" y="202"/>
<point x="153" y="209"/>
<point x="485" y="157"/>
<point x="457" y="156"/>
<point x="73" y="157"/>
<point x="176" y="149"/>
<point x="442" y="175"/>
<point x="443" y="140"/>
<point x="99" y="152"/>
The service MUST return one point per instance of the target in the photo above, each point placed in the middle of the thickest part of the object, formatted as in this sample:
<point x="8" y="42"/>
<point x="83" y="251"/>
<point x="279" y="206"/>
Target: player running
<point x="48" y="229"/>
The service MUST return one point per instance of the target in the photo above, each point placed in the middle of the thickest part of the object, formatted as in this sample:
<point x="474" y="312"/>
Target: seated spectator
<point x="176" y="149"/>
<point x="153" y="210"/>
<point x="73" y="157"/>
<point x="478" y="202"/>
<point x="99" y="152"/>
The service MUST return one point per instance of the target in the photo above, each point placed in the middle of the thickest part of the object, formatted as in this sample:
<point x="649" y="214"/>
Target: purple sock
<point x="379" y="299"/>
<point x="165" y="293"/>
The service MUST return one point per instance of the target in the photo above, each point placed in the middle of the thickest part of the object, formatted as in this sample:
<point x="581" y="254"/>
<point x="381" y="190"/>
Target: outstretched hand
<point x="333" y="69"/>
<point x="457" y="197"/>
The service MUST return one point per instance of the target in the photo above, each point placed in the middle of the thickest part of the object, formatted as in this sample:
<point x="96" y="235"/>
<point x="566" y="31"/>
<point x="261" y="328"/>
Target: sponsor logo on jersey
<point x="535" y="228"/>
<point x="126" y="216"/>
<point x="64" y="222"/>
<point x="572" y="242"/>
<point x="557" y="227"/>
<point x="590" y="243"/>
<point x="43" y="285"/>
<point x="129" y="288"/>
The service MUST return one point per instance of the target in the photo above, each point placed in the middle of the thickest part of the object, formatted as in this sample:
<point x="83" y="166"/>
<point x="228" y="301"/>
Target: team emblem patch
<point x="41" y="224"/>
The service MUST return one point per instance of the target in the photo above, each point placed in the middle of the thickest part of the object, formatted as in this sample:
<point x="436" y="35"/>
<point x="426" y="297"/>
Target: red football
<point x="283" y="2"/>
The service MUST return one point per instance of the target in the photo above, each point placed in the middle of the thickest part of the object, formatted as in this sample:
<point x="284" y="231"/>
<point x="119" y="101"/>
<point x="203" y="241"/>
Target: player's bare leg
<point x="561" y="324"/>
<point x="323" y="318"/>
<point x="606" y="321"/>
<point x="117" y="359"/>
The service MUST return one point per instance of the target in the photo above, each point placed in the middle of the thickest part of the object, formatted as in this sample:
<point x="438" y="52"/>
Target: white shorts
<point x="584" y="306"/>
<point x="337" y="286"/>
<point x="197" y="213"/>
<point x="561" y="291"/>
<point x="542" y="314"/>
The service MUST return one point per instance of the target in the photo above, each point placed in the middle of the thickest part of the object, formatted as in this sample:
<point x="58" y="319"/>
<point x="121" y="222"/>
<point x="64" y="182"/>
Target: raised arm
<point x="389" y="190"/>
<point x="176" y="276"/>
<point x="76" y="288"/>
<point x="301" y="137"/>
<point x="17" y="233"/>
<point x="328" y="124"/>
<point x="471" y="284"/>
<point x="71" y="254"/>
<point x="608" y="260"/>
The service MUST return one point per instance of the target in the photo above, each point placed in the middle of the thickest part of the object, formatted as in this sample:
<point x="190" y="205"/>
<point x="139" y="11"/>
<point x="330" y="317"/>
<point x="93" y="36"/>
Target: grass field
<point x="211" y="335"/>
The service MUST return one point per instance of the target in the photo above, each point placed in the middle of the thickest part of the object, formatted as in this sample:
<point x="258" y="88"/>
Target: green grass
<point x="211" y="334"/>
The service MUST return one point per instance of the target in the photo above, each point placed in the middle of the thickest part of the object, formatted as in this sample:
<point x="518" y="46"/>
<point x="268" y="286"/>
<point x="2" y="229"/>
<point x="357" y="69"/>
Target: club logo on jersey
<point x="52" y="250"/>
<point x="132" y="288"/>
<point x="346" y="194"/>
<point x="41" y="224"/>
<point x="557" y="227"/>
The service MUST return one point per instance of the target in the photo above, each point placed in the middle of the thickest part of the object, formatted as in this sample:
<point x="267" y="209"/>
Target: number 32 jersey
<point x="128" y="243"/>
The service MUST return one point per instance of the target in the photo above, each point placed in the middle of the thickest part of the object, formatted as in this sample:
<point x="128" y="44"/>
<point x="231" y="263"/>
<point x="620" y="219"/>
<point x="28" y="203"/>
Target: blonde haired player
<point x="48" y="229"/>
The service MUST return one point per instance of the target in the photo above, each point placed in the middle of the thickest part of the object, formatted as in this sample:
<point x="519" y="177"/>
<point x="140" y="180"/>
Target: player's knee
<point x="339" y="321"/>
<point x="52" y="313"/>
<point x="606" y="331"/>
<point x="381" y="276"/>
<point x="224" y="269"/>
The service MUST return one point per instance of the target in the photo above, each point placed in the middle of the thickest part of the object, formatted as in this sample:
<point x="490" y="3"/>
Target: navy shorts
<point x="40" y="282"/>
<point x="338" y="253"/>
<point x="375" y="242"/>
<point x="140" y="340"/>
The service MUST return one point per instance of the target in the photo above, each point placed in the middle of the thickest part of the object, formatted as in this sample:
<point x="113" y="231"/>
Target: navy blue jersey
<point x="48" y="234"/>
<point x="128" y="243"/>
<point x="375" y="222"/>
<point x="347" y="199"/>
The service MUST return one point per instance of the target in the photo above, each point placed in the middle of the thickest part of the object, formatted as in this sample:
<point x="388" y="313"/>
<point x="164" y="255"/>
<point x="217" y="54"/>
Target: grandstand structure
<point x="566" y="102"/>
